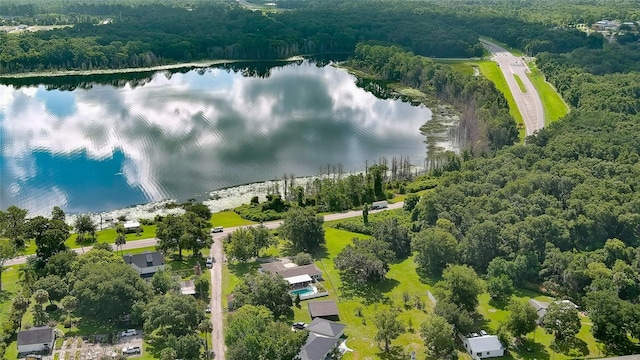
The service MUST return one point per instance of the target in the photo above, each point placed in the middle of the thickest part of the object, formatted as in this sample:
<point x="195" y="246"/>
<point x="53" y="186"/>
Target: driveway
<point x="528" y="103"/>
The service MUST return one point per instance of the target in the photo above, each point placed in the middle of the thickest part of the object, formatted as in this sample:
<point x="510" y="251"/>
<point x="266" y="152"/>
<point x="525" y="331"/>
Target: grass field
<point x="492" y="71"/>
<point x="228" y="219"/>
<point x="553" y="104"/>
<point x="520" y="84"/>
<point x="106" y="235"/>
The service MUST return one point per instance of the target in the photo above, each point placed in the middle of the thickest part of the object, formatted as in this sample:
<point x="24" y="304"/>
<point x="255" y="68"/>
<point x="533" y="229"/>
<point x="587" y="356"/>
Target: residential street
<point x="528" y="103"/>
<point x="217" y="337"/>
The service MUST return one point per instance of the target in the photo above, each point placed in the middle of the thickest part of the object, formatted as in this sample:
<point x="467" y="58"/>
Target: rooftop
<point x="326" y="328"/>
<point x="316" y="348"/>
<point x="36" y="335"/>
<point x="144" y="260"/>
<point x="188" y="287"/>
<point x="484" y="343"/>
<point x="299" y="279"/>
<point x="323" y="308"/>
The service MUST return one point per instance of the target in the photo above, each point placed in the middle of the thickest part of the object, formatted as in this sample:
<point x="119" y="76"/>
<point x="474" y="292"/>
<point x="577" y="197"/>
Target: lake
<point x="91" y="146"/>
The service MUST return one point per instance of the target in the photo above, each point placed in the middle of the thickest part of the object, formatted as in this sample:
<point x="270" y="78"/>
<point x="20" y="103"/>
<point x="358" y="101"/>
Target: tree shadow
<point x="499" y="303"/>
<point x="572" y="347"/>
<point x="426" y="278"/>
<point x="369" y="292"/>
<point x="530" y="350"/>
<point x="395" y="352"/>
<point x="241" y="268"/>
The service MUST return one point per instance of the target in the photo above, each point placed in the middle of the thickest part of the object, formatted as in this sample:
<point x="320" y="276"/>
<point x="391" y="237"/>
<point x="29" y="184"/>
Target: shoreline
<point x="188" y="65"/>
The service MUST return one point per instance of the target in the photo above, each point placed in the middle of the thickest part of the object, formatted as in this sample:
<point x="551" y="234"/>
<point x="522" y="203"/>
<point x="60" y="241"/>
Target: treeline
<point x="485" y="112"/>
<point x="149" y="35"/>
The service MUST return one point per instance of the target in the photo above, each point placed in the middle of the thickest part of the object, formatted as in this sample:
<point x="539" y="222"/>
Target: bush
<point x="255" y="212"/>
<point x="146" y="221"/>
<point x="421" y="184"/>
<point x="302" y="259"/>
<point x="354" y="227"/>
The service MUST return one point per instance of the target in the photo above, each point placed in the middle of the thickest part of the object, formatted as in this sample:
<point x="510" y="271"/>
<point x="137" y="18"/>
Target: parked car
<point x="299" y="325"/>
<point x="483" y="333"/>
<point x="208" y="309"/>
<point x="209" y="262"/>
<point x="129" y="332"/>
<point x="217" y="229"/>
<point x="131" y="350"/>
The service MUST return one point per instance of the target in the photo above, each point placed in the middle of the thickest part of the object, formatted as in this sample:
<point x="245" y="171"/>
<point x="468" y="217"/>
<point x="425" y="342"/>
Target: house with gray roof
<point x="540" y="307"/>
<point x="146" y="264"/>
<point x="324" y="336"/>
<point x="287" y="270"/>
<point x="36" y="340"/>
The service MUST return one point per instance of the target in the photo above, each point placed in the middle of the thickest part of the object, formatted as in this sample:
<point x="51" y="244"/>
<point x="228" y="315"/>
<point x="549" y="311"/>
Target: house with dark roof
<point x="326" y="309"/>
<point x="36" y="340"/>
<point x="146" y="264"/>
<point x="324" y="336"/>
<point x="289" y="270"/>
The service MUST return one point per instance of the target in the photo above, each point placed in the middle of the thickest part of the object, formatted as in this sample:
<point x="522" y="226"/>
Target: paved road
<point x="217" y="337"/>
<point x="528" y="103"/>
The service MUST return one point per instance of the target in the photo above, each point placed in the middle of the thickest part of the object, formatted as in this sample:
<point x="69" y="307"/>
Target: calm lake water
<point x="101" y="146"/>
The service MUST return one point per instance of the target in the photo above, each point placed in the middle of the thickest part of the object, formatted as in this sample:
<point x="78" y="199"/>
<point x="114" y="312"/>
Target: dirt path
<point x="528" y="102"/>
<point x="217" y="337"/>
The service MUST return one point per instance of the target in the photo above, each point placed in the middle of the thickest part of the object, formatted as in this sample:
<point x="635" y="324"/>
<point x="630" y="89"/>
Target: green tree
<point x="562" y="320"/>
<point x="13" y="225"/>
<point x="462" y="286"/>
<point x="49" y="235"/>
<point x="521" y="319"/>
<point x="365" y="214"/>
<point x="389" y="328"/>
<point x="39" y="316"/>
<point x="86" y="227"/>
<point x="303" y="229"/>
<point x="455" y="315"/>
<point x="20" y="304"/>
<point x="302" y="258"/>
<point x="168" y="354"/>
<point x="162" y="282"/>
<point x="251" y="333"/>
<point x="268" y="290"/>
<point x="7" y="252"/>
<point x="69" y="304"/>
<point x="203" y="286"/>
<point x="247" y="242"/>
<point x="55" y="287"/>
<point x="121" y="238"/>
<point x="410" y="202"/>
<point x="438" y="337"/>
<point x="105" y="289"/>
<point x="58" y="214"/>
<point x="168" y="232"/>
<point x="364" y="261"/>
<point x="187" y="346"/>
<point x="396" y="235"/>
<point x="436" y="248"/>
<point x="201" y="210"/>
<point x="500" y="288"/>
<point x="172" y="314"/>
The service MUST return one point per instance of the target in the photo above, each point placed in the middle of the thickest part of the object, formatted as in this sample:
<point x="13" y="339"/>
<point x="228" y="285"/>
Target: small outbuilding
<point x="326" y="309"/>
<point x="187" y="287"/>
<point x="36" y="340"/>
<point x="482" y="347"/>
<point x="131" y="226"/>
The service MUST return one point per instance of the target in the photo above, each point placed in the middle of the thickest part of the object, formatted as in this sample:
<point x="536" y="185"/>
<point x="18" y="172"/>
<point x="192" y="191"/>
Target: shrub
<point x="146" y="221"/>
<point x="302" y="259"/>
<point x="356" y="227"/>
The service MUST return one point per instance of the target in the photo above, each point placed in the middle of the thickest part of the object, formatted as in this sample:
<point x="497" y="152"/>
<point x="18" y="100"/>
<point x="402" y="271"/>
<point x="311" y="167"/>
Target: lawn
<point x="106" y="235"/>
<point x="228" y="219"/>
<point x="553" y="104"/>
<point x="492" y="71"/>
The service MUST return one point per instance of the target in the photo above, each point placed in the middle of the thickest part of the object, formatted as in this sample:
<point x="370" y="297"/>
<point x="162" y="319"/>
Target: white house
<point x="36" y="340"/>
<point x="131" y="226"/>
<point x="146" y="264"/>
<point x="482" y="347"/>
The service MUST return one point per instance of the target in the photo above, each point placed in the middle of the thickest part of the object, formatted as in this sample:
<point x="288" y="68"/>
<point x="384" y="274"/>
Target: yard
<point x="358" y="308"/>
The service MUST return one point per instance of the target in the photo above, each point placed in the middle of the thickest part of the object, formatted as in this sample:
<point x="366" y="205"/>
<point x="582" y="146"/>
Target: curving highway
<point x="528" y="103"/>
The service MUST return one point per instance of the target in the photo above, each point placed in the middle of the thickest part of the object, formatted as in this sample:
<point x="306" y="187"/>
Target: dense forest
<point x="152" y="34"/>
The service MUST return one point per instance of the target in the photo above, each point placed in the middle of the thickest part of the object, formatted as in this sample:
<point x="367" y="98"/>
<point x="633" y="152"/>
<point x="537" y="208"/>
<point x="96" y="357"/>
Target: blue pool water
<point x="303" y="291"/>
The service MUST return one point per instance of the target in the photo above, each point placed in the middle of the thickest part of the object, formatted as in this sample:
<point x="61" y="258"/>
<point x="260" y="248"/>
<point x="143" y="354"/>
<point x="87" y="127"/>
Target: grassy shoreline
<point x="196" y="64"/>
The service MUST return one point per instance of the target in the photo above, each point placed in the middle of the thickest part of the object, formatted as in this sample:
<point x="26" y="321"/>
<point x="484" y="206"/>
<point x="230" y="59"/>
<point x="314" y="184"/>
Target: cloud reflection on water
<point x="192" y="133"/>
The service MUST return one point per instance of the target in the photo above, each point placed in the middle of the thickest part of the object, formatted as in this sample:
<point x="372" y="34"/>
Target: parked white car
<point x="131" y="350"/>
<point x="217" y="229"/>
<point x="129" y="332"/>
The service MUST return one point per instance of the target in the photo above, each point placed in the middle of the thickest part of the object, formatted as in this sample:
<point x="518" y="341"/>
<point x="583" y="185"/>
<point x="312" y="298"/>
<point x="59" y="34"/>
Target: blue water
<point x="303" y="291"/>
<point x="109" y="145"/>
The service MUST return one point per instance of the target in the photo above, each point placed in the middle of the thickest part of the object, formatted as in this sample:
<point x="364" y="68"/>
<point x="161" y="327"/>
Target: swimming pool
<point x="303" y="291"/>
